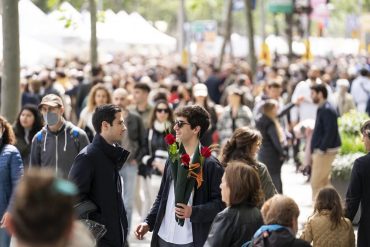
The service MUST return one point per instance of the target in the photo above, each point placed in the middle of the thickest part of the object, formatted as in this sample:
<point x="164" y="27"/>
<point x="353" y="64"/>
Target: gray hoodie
<point x="57" y="150"/>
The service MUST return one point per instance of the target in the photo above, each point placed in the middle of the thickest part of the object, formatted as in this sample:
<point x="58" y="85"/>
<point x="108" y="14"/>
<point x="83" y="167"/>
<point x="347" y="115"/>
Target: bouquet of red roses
<point x="184" y="172"/>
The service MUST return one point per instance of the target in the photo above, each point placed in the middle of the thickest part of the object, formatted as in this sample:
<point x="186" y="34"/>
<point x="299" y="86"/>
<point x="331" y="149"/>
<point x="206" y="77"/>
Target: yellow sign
<point x="307" y="55"/>
<point x="184" y="57"/>
<point x="265" y="54"/>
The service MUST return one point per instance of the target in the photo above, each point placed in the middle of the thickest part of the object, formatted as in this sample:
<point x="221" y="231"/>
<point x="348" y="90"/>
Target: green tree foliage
<point x="167" y="10"/>
<point x="153" y="10"/>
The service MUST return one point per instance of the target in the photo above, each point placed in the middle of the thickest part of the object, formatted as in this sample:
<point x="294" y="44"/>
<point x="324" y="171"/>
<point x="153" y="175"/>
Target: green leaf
<point x="68" y="23"/>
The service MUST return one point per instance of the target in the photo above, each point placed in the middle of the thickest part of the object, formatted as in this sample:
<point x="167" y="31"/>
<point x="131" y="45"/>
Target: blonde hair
<point x="267" y="108"/>
<point x="91" y="104"/>
<point x="280" y="210"/>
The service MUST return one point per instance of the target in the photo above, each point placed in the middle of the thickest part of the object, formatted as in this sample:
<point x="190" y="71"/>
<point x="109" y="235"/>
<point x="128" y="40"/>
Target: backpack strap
<point x="75" y="134"/>
<point x="260" y="231"/>
<point x="39" y="136"/>
<point x="268" y="228"/>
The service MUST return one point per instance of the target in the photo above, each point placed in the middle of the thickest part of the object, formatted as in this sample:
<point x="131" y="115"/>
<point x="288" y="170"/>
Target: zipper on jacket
<point x="56" y="155"/>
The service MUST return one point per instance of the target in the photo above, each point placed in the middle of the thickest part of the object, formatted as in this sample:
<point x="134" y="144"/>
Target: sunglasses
<point x="180" y="123"/>
<point x="163" y="110"/>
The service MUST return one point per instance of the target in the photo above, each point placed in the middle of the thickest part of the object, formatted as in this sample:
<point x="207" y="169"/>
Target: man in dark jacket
<point x="134" y="141"/>
<point x="96" y="174"/>
<point x="359" y="190"/>
<point x="205" y="201"/>
<point x="325" y="141"/>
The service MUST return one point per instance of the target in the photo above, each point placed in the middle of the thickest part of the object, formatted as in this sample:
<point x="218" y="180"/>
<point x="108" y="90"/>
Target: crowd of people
<point x="105" y="130"/>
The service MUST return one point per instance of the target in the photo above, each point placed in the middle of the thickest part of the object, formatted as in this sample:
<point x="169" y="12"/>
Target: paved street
<point x="294" y="185"/>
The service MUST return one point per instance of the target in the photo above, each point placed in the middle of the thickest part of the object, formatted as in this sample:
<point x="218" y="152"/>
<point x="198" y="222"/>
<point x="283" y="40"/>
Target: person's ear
<point x="197" y="131"/>
<point x="295" y="225"/>
<point x="104" y="125"/>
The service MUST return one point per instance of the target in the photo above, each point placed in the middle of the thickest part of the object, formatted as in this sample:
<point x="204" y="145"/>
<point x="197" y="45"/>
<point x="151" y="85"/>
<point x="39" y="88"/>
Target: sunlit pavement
<point x="294" y="185"/>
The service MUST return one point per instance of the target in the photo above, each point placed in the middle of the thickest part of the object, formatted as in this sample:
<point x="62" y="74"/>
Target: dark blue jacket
<point x="206" y="202"/>
<point x="96" y="174"/>
<point x="359" y="191"/>
<point x="326" y="134"/>
<point x="11" y="170"/>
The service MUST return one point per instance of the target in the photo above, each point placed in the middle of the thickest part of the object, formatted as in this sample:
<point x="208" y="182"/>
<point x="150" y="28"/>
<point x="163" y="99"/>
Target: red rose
<point x="185" y="159"/>
<point x="205" y="152"/>
<point x="170" y="139"/>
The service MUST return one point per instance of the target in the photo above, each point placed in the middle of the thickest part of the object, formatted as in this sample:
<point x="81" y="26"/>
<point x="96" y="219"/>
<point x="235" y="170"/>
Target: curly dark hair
<point x="365" y="128"/>
<point x="196" y="116"/>
<point x="8" y="133"/>
<point x="239" y="147"/>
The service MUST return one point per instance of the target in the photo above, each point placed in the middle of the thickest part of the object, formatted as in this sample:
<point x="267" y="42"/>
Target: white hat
<point x="200" y="90"/>
<point x="343" y="83"/>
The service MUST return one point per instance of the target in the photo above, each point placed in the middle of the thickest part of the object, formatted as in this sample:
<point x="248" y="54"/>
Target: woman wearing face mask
<point x="11" y="169"/>
<point x="28" y="123"/>
<point x="99" y="95"/>
<point x="160" y="121"/>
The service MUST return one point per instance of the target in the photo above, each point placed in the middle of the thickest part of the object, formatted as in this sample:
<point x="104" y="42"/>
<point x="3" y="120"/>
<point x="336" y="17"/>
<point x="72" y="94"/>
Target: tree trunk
<point x="289" y="22"/>
<point x="263" y="20"/>
<point x="276" y="31"/>
<point x="93" y="38"/>
<point x="250" y="33"/>
<point x="180" y="26"/>
<point x="227" y="30"/>
<point x="10" y="92"/>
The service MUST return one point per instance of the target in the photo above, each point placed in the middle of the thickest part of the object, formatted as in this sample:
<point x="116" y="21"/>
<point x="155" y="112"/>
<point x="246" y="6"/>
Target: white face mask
<point x="51" y="118"/>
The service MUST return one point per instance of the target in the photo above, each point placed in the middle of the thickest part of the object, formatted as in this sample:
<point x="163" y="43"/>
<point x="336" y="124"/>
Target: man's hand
<point x="141" y="230"/>
<point x="5" y="220"/>
<point x="183" y="211"/>
<point x="159" y="165"/>
<point x="299" y="100"/>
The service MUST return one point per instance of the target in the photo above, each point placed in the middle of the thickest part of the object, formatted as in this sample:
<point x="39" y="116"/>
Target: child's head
<point x="329" y="199"/>
<point x="281" y="210"/>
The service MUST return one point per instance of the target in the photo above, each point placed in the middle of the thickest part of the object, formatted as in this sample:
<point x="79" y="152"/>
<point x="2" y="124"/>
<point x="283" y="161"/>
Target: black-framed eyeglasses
<point x="180" y="123"/>
<point x="163" y="110"/>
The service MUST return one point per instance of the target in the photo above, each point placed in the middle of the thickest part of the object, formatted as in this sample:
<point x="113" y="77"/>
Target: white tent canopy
<point x="44" y="37"/>
<point x="33" y="51"/>
<point x="33" y="22"/>
<point x="147" y="34"/>
<point x="69" y="21"/>
<point x="319" y="46"/>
